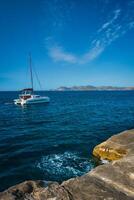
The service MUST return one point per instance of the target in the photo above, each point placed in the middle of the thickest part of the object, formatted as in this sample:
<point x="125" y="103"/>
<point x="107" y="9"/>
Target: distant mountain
<point x="92" y="88"/>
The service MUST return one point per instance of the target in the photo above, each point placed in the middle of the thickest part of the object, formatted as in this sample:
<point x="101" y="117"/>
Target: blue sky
<point x="72" y="42"/>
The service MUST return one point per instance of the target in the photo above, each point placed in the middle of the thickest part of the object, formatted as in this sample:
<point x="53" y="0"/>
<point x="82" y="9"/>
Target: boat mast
<point x="31" y="72"/>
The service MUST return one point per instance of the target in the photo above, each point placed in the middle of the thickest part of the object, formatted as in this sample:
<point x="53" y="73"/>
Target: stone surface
<point x="116" y="147"/>
<point x="21" y="190"/>
<point x="112" y="181"/>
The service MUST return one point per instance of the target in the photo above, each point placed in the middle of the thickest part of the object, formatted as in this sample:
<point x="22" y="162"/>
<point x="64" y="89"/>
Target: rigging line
<point x="31" y="73"/>
<point x="37" y="78"/>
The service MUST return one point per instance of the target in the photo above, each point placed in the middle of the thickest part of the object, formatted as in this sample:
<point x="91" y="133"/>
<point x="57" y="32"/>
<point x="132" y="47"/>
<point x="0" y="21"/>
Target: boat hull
<point x="36" y="101"/>
<point x="30" y="101"/>
<point x="17" y="102"/>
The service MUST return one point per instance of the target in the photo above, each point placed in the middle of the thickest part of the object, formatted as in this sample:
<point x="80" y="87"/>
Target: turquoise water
<point x="55" y="141"/>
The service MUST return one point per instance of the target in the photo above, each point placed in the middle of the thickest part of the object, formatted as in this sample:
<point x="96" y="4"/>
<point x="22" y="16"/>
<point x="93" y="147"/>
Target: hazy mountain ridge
<point x="93" y="88"/>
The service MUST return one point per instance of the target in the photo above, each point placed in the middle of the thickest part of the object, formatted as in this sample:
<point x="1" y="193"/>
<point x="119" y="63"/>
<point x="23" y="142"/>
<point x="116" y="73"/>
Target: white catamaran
<point x="28" y="97"/>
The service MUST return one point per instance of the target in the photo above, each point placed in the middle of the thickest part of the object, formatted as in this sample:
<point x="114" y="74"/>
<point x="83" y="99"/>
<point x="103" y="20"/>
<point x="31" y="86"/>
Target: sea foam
<point x="66" y="165"/>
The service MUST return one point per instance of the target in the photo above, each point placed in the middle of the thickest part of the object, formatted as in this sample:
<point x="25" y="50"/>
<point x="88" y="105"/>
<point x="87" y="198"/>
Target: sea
<point x="54" y="141"/>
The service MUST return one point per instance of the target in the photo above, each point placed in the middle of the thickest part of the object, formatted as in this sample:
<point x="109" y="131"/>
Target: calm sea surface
<point x="55" y="141"/>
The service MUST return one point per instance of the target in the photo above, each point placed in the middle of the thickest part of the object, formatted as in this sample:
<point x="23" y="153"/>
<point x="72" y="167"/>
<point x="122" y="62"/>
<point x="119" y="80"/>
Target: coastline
<point x="81" y="88"/>
<point x="114" y="180"/>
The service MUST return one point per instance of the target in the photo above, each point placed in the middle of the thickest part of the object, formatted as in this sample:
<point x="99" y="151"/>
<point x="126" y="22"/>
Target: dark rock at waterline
<point x="112" y="181"/>
<point x="35" y="190"/>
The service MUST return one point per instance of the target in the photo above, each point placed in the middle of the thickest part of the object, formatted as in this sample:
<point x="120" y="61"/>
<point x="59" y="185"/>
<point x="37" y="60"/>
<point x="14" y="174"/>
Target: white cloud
<point x="131" y="25"/>
<point x="111" y="21"/>
<point x="58" y="54"/>
<point x="93" y="53"/>
<point x="109" y="31"/>
<point x="105" y="25"/>
<point x="117" y="13"/>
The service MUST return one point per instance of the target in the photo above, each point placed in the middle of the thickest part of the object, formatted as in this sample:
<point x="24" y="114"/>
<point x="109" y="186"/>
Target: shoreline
<point x="56" y="90"/>
<point x="113" y="180"/>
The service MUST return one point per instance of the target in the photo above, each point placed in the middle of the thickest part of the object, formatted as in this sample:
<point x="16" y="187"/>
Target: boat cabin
<point x="26" y="93"/>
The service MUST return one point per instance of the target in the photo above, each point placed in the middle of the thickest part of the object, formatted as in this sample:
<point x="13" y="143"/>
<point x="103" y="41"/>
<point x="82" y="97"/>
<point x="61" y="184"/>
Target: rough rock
<point x="21" y="190"/>
<point x="112" y="181"/>
<point x="116" y="147"/>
